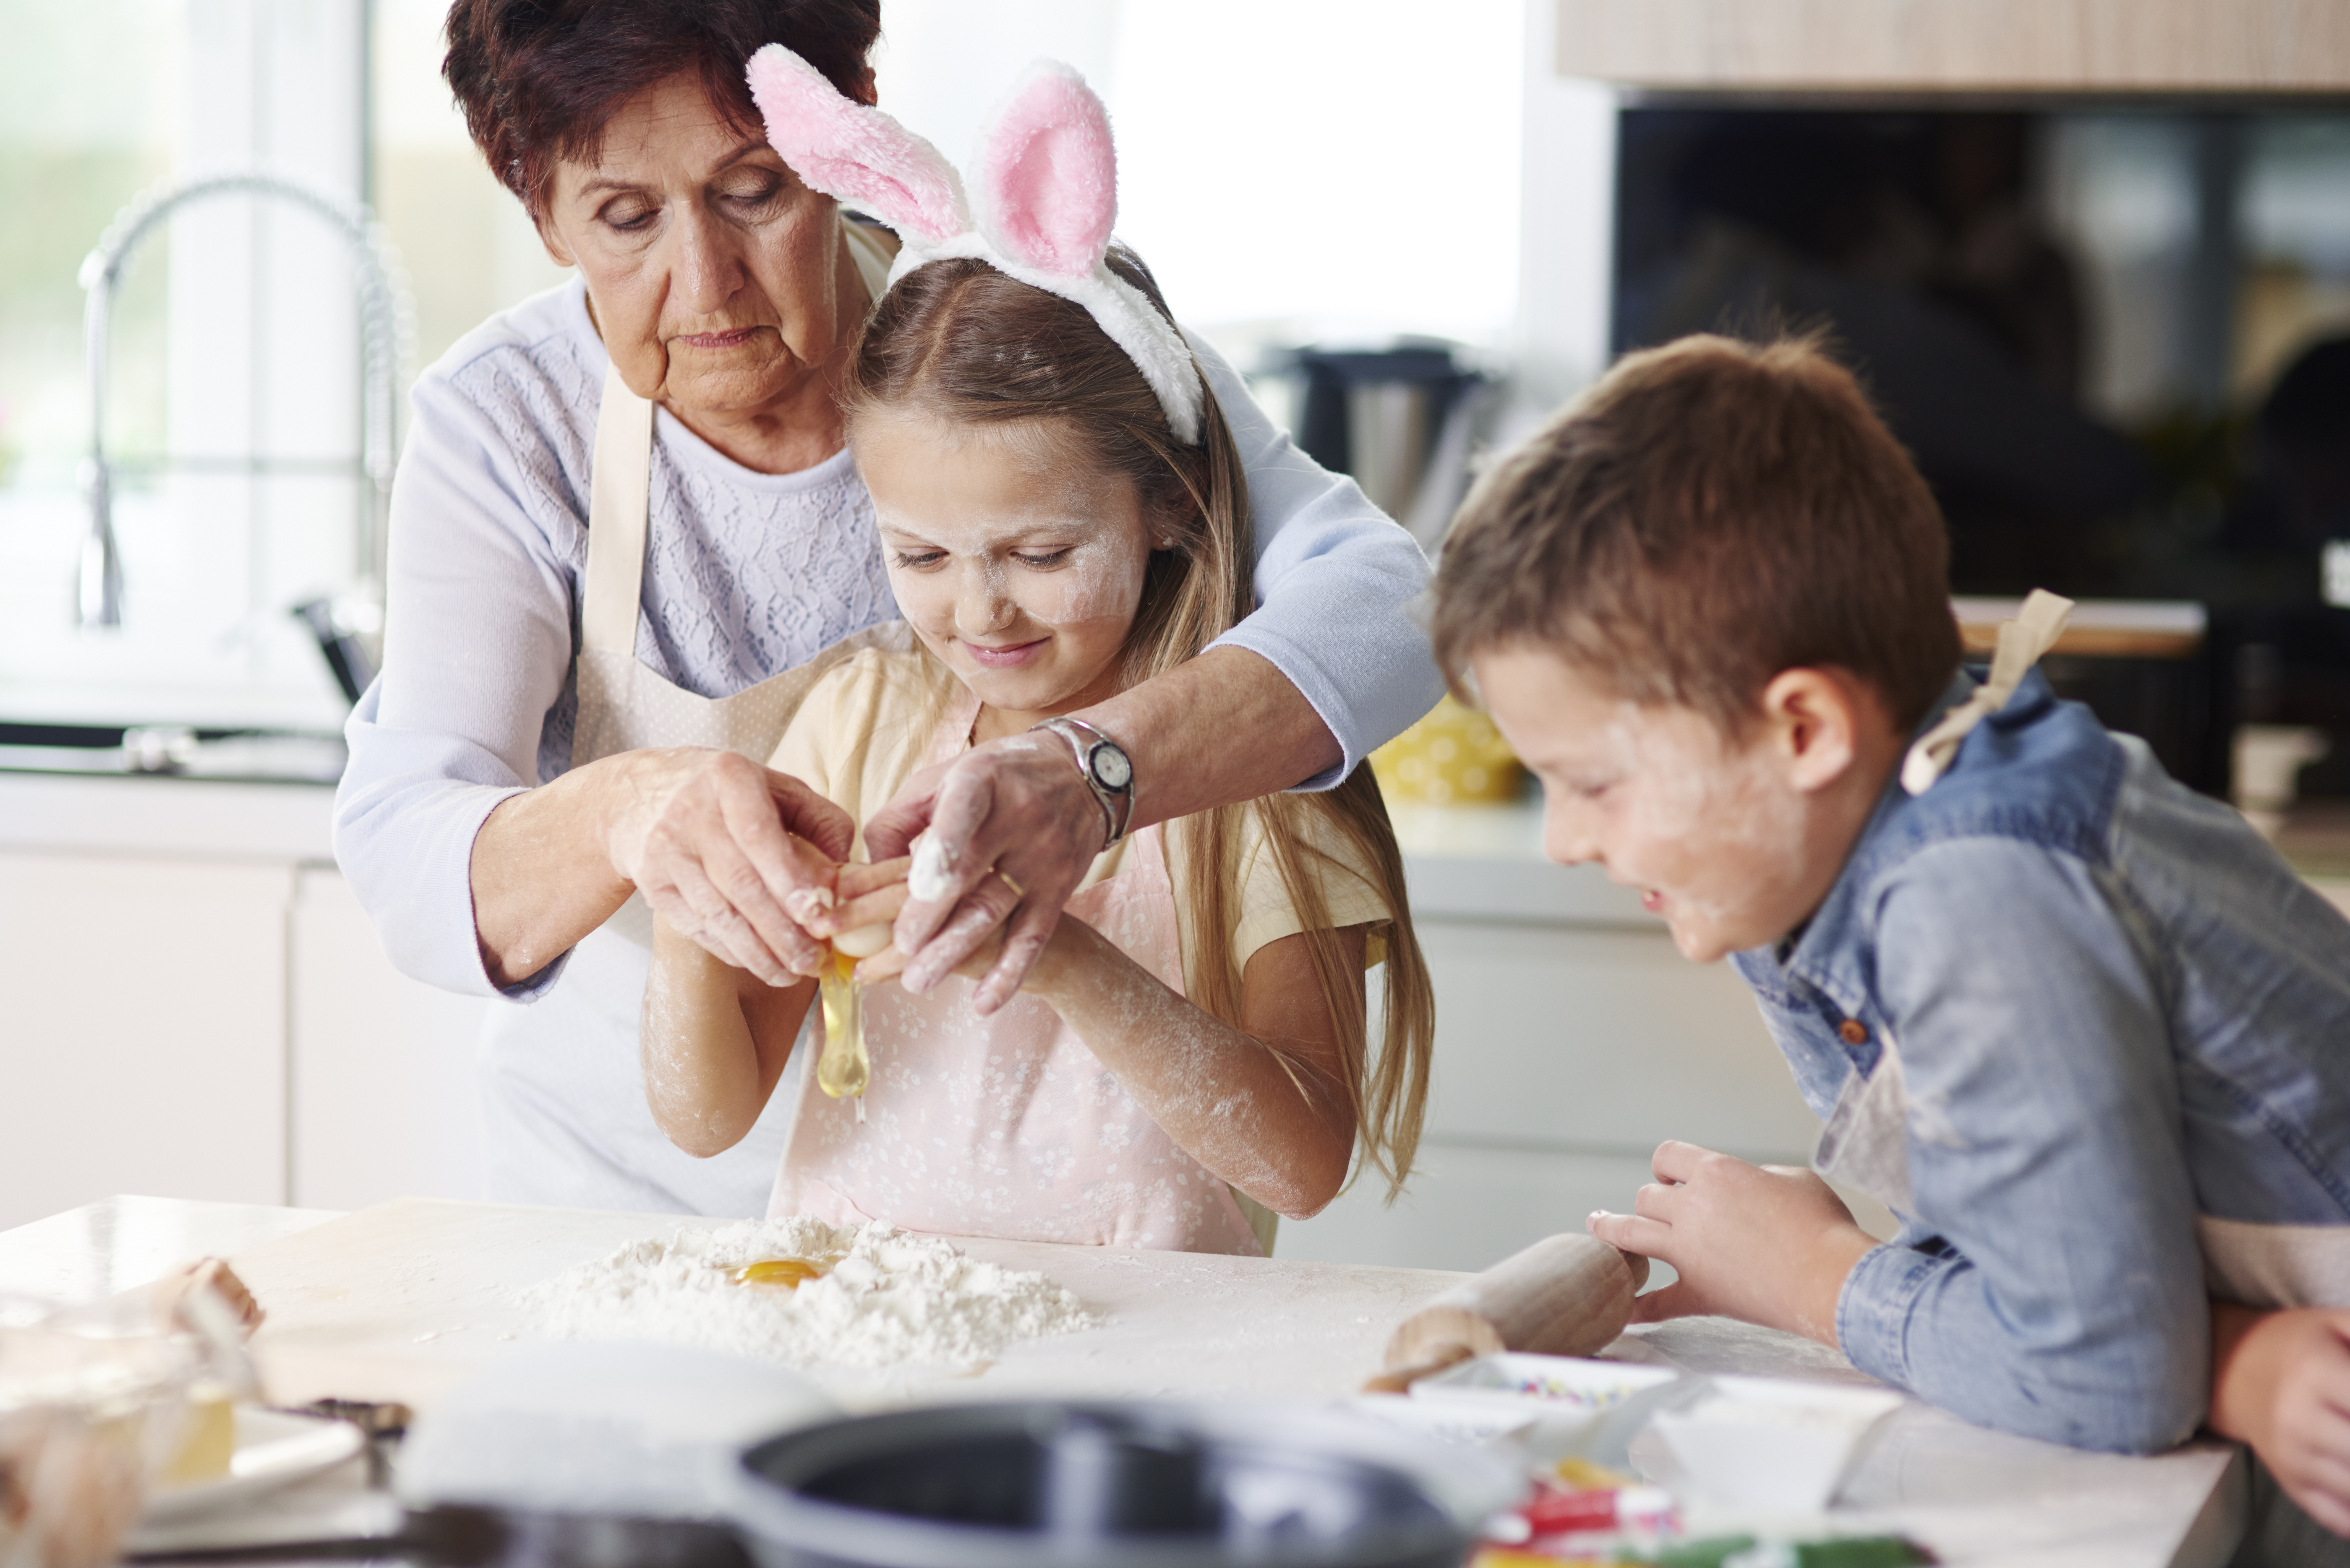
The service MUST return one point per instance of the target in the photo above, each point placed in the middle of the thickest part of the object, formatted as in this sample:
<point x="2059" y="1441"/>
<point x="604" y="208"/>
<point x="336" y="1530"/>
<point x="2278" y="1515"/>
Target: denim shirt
<point x="2119" y="1017"/>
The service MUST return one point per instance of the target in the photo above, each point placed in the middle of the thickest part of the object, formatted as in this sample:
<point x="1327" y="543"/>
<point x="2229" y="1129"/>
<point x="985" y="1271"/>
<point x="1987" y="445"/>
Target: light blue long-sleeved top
<point x="747" y="575"/>
<point x="2124" y="1027"/>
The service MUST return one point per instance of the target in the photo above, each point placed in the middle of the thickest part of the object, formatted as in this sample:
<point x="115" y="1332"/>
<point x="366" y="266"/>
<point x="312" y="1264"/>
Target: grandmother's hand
<point x="1016" y="806"/>
<point x="739" y="857"/>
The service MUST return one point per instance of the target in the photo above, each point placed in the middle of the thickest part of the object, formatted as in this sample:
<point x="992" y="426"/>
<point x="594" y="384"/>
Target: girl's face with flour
<point x="1018" y="563"/>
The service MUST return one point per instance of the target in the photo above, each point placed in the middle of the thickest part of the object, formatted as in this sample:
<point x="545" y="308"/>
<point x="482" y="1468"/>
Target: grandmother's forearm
<point x="1219" y="1092"/>
<point x="542" y="871"/>
<point x="1225" y="727"/>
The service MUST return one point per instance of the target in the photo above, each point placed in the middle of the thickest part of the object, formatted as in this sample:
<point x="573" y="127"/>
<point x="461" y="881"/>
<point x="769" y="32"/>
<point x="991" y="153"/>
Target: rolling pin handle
<point x="1399" y="1380"/>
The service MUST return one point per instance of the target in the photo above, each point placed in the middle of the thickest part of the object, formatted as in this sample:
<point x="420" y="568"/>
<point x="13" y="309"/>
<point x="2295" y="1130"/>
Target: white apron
<point x="1008" y="1126"/>
<point x="564" y="1117"/>
<point x="1866" y="1139"/>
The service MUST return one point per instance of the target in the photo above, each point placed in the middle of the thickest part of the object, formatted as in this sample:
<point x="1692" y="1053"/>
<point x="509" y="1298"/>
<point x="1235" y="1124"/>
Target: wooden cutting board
<point x="401" y="1301"/>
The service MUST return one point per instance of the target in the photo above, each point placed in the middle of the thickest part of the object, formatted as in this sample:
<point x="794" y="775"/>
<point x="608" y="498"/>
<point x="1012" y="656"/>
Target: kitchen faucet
<point x="385" y="321"/>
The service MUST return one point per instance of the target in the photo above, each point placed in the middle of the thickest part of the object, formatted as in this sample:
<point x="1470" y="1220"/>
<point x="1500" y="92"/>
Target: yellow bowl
<point x="1452" y="756"/>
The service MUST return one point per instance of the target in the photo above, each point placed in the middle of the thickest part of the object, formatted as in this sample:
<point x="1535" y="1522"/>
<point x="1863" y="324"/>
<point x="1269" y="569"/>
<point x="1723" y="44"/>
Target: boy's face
<point x="1734" y="843"/>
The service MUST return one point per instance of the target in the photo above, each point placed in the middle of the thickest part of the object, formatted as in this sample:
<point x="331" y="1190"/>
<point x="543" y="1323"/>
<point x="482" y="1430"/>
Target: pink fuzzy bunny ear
<point x="853" y="153"/>
<point x="1047" y="175"/>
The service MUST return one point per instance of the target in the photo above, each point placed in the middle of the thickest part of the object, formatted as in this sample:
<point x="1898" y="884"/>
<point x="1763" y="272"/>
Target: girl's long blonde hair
<point x="969" y="344"/>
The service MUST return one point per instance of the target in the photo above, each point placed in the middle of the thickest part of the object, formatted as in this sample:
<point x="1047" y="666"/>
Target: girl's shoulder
<point x="1266" y="907"/>
<point x="881" y="680"/>
<point x="863" y="728"/>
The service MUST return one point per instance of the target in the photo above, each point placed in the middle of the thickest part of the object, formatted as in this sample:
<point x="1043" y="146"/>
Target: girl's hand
<point x="976" y="965"/>
<point x="869" y="896"/>
<point x="1017" y="806"/>
<point x="1767" y="1243"/>
<point x="2282" y="1383"/>
<point x="738" y="858"/>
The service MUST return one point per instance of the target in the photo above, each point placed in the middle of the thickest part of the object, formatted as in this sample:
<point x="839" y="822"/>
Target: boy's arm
<point x="2049" y="1280"/>
<point x="715" y="1043"/>
<point x="2060" y="1294"/>
<point x="2281" y="1382"/>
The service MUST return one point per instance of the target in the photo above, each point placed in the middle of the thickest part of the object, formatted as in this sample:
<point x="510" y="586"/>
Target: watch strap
<point x="1116" y="804"/>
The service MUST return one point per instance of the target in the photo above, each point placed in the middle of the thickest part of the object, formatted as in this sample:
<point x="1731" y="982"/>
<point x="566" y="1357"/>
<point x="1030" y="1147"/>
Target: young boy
<point x="2080" y="1028"/>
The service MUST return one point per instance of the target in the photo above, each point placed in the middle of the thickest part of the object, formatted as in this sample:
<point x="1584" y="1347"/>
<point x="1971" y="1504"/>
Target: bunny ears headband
<point x="1048" y="183"/>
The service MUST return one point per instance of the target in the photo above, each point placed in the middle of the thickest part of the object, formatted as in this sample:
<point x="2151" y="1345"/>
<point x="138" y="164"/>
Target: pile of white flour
<point x="885" y="1297"/>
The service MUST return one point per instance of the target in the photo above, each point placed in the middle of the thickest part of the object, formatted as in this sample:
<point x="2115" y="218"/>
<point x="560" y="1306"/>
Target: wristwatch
<point x="1108" y="771"/>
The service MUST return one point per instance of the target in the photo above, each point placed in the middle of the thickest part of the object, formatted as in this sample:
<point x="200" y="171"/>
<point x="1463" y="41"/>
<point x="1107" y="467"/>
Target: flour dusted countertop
<point x="400" y="1301"/>
<point x="404" y="1300"/>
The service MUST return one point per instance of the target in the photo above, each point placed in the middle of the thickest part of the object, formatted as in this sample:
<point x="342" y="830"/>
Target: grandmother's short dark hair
<point x="1707" y="514"/>
<point x="539" y="79"/>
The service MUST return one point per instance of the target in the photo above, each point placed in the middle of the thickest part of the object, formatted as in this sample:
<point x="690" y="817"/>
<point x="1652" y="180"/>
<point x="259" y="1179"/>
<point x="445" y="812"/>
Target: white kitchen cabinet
<point x="1468" y="1207"/>
<point x="384" y="1103"/>
<point x="1571" y="1039"/>
<point x="1596" y="1039"/>
<point x="1564" y="1053"/>
<point x="196" y="1007"/>
<point x="144" y="1042"/>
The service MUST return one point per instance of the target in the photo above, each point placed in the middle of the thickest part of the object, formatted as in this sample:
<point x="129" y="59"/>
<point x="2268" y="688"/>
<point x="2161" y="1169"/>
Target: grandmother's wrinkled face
<point x="1019" y="567"/>
<point x="716" y="278"/>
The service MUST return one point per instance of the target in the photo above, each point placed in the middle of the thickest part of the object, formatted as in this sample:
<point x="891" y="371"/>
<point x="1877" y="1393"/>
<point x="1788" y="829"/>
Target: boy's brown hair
<point x="1709" y="513"/>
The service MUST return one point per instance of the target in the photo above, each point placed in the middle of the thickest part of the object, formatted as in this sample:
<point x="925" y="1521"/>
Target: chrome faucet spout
<point x="386" y="334"/>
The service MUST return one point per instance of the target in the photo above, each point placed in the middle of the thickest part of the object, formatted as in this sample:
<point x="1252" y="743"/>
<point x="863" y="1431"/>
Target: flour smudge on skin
<point x="932" y="876"/>
<point x="886" y="1297"/>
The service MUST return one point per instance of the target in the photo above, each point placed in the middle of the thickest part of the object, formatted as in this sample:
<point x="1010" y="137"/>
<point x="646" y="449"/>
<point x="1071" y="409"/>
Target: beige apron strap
<point x="618" y="495"/>
<point x="2022" y="642"/>
<point x="1866" y="1138"/>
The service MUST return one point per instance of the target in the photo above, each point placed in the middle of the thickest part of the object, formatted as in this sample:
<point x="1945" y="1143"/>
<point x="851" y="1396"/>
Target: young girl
<point x="1064" y="515"/>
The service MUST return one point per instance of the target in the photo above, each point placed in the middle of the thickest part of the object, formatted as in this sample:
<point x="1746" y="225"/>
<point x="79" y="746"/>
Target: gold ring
<point x="1016" y="891"/>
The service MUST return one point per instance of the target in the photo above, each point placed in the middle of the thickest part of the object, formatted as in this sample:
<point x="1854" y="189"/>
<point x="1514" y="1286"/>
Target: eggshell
<point x="864" y="942"/>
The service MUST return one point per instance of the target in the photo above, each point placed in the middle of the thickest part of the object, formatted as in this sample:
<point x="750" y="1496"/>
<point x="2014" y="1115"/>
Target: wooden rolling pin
<point x="1565" y="1295"/>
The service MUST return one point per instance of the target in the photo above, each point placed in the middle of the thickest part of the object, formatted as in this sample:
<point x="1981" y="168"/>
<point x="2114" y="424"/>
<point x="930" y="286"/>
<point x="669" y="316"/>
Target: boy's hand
<point x="1767" y="1243"/>
<point x="2281" y="1383"/>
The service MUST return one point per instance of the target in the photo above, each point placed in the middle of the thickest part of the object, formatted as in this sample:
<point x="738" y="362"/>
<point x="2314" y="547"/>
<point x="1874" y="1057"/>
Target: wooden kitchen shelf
<point x="2099" y="629"/>
<point x="1961" y="46"/>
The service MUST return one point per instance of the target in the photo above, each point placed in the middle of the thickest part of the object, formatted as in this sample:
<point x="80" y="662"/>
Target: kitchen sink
<point x="173" y="751"/>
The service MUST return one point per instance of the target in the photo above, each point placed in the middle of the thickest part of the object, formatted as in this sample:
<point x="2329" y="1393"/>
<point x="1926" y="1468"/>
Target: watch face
<point x="1111" y="766"/>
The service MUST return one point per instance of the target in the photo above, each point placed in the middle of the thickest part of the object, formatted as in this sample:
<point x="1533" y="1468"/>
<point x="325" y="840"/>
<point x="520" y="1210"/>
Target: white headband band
<point x="1047" y="181"/>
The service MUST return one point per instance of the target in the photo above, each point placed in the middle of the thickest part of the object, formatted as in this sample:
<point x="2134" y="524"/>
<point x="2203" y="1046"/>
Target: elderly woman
<point x="625" y="536"/>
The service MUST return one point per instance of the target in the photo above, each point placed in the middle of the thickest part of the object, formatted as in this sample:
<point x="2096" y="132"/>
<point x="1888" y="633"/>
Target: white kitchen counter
<point x="158" y="814"/>
<point x="1480" y="862"/>
<point x="1486" y="863"/>
<point x="350" y="1296"/>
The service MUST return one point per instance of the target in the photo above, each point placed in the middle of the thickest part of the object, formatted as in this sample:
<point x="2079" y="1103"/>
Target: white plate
<point x="272" y="1450"/>
<point x="1579" y="1407"/>
<point x="1773" y="1443"/>
<point x="1450" y="1421"/>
